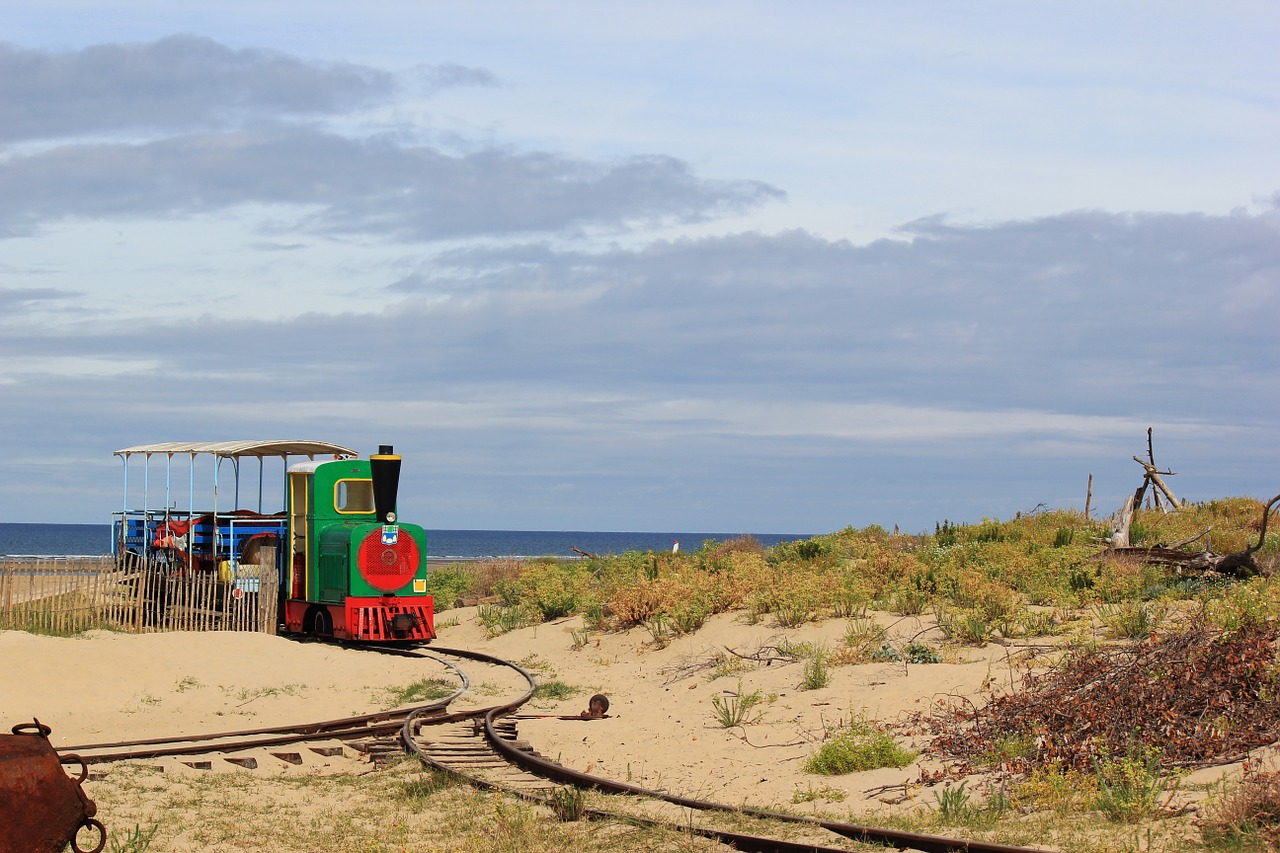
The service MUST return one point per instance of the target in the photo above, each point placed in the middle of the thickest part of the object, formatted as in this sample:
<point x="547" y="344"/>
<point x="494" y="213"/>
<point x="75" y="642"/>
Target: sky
<point x="747" y="267"/>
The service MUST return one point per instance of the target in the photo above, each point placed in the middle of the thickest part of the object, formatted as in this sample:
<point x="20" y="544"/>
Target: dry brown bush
<point x="487" y="574"/>
<point x="1249" y="811"/>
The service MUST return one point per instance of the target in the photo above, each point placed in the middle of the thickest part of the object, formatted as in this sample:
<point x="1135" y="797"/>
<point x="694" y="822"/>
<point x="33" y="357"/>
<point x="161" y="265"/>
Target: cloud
<point x="176" y="83"/>
<point x="1082" y="320"/>
<point x="473" y="311"/>
<point x="16" y="299"/>
<point x="229" y="128"/>
<point x="342" y="186"/>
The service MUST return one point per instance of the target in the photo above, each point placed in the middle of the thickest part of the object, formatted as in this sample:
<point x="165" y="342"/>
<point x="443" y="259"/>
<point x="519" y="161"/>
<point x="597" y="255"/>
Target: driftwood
<point x="1153" y="477"/>
<point x="1120" y="524"/>
<point x="1240" y="564"/>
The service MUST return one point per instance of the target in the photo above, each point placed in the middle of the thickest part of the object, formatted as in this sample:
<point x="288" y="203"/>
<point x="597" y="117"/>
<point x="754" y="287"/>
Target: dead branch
<point x="1120" y="524"/>
<point x="1186" y="542"/>
<point x="1154" y="476"/>
<point x="1241" y="563"/>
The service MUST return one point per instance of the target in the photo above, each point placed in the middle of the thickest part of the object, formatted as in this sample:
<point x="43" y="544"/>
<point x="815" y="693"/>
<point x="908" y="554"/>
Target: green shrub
<point x="1132" y="620"/>
<point x="917" y="652"/>
<point x="448" y="584"/>
<point x="859" y="746"/>
<point x="1130" y="786"/>
<point x="816" y="675"/>
<point x="498" y="619"/>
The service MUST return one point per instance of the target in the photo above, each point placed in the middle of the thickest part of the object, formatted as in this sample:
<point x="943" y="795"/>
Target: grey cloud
<point x="370" y="186"/>
<point x="1118" y="315"/>
<point x="178" y="82"/>
<point x="15" y="299"/>
<point x="226" y="129"/>
<point x="1086" y="311"/>
<point x="630" y="373"/>
<point x="449" y="75"/>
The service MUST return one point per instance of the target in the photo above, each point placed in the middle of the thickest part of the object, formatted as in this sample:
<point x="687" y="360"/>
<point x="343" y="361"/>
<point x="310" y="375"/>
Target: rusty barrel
<point x="41" y="807"/>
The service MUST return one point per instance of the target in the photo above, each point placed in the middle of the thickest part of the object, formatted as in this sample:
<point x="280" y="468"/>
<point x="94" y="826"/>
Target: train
<point x="336" y="555"/>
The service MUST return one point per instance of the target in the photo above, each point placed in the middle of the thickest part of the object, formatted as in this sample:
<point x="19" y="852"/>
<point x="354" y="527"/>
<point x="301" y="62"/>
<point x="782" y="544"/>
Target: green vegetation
<point x="554" y="691"/>
<point x="816" y="675"/>
<point x="982" y="581"/>
<point x="420" y="692"/>
<point x="1038" y="575"/>
<point x="136" y="840"/>
<point x="860" y="745"/>
<point x="1130" y="787"/>
<point x="735" y="708"/>
<point x="812" y="795"/>
<point x="568" y="804"/>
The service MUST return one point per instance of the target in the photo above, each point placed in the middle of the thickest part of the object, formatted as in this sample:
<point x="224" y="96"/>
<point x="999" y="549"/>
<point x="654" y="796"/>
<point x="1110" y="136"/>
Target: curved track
<point x="482" y="747"/>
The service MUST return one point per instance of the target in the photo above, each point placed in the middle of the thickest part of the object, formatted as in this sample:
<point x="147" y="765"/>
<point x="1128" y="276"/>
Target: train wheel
<point x="318" y="622"/>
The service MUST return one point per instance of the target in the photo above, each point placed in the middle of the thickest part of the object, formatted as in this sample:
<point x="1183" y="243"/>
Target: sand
<point x="661" y="732"/>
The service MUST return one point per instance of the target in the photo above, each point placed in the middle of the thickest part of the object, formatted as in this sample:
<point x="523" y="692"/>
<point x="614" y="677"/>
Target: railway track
<point x="482" y="746"/>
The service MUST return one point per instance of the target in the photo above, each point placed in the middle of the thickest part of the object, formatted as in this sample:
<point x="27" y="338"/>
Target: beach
<point x="662" y="730"/>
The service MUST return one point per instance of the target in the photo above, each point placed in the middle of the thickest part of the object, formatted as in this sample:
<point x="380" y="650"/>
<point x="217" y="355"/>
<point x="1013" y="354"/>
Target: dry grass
<point x="396" y="810"/>
<point x="1247" y="815"/>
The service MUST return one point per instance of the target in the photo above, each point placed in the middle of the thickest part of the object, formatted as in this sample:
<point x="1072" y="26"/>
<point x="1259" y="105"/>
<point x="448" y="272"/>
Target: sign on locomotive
<point x="345" y="565"/>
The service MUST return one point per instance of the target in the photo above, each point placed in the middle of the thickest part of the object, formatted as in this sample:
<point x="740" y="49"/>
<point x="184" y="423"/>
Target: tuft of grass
<point x="812" y="794"/>
<point x="426" y="785"/>
<point x="862" y="637"/>
<point x="1132" y="620"/>
<point x="554" y="691"/>
<point x="793" y="612"/>
<point x="419" y="692"/>
<point x="499" y="619"/>
<point x="953" y="803"/>
<point x="687" y="619"/>
<point x="136" y="840"/>
<point x="568" y="803"/>
<point x="861" y="745"/>
<point x="816" y="675"/>
<point x="735" y="709"/>
<point x="965" y="626"/>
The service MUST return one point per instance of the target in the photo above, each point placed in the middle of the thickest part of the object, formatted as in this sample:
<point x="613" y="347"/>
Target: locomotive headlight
<point x="391" y="518"/>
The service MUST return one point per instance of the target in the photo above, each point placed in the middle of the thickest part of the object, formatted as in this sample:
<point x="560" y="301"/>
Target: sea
<point x="66" y="540"/>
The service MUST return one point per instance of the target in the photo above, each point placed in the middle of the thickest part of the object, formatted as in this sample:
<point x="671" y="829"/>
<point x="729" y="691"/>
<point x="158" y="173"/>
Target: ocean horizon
<point x="85" y="540"/>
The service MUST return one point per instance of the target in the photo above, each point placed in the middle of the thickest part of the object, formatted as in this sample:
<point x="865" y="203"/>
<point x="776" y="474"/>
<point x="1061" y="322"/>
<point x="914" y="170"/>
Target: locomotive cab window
<point x="353" y="496"/>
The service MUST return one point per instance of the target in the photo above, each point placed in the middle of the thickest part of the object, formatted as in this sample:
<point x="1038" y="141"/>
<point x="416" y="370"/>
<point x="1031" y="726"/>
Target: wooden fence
<point x="56" y="595"/>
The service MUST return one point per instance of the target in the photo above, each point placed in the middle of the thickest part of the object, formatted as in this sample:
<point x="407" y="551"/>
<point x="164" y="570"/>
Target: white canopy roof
<point x="279" y="447"/>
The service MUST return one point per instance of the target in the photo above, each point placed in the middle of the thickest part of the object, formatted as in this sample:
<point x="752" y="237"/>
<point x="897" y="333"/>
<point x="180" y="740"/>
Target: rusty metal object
<point x="41" y="807"/>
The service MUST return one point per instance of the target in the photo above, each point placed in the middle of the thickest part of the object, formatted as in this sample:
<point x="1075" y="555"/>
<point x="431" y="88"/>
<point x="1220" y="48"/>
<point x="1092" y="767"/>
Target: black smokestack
<point x="384" y="468"/>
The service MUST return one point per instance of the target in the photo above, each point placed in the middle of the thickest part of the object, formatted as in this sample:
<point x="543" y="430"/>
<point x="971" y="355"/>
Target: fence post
<point x="6" y="580"/>
<point x="268" y="590"/>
